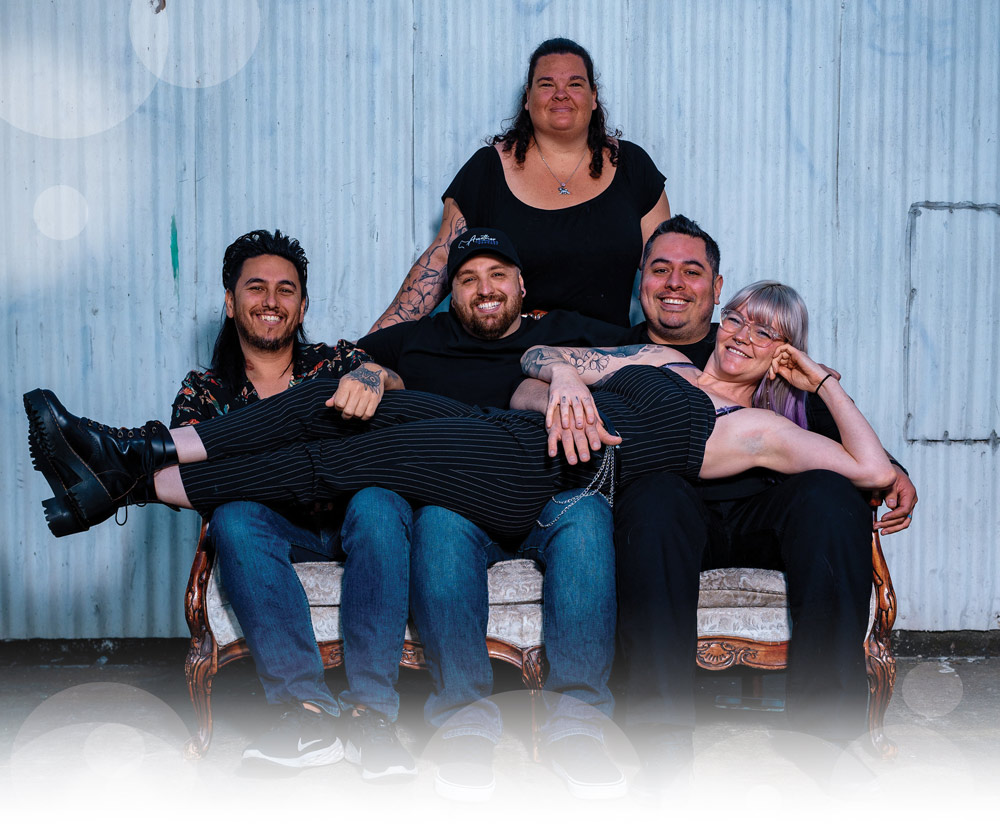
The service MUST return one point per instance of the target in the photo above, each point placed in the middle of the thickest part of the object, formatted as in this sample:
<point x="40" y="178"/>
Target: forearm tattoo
<point x="425" y="285"/>
<point x="368" y="378"/>
<point x="590" y="359"/>
<point x="534" y="360"/>
<point x="391" y="375"/>
<point x="584" y="360"/>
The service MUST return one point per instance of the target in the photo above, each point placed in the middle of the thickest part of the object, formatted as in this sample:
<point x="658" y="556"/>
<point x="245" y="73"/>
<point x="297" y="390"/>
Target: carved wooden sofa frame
<point x="514" y="630"/>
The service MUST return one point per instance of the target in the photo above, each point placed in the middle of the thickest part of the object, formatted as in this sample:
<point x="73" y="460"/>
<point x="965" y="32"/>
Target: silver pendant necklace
<point x="563" y="190"/>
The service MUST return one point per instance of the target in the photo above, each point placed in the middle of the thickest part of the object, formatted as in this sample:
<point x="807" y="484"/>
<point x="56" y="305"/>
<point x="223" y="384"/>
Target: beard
<point x="264" y="343"/>
<point x="490" y="327"/>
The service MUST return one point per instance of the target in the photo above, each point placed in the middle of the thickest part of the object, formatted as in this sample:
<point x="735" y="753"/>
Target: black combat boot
<point x="91" y="468"/>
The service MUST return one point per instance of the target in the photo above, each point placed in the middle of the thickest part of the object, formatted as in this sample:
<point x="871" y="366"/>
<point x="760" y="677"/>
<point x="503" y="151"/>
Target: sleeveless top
<point x="719" y="412"/>
<point x="583" y="257"/>
<point x="664" y="421"/>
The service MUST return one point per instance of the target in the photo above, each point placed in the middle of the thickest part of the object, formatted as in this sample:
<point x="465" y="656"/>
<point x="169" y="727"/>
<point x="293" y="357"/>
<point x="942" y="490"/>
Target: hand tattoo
<point x="368" y="378"/>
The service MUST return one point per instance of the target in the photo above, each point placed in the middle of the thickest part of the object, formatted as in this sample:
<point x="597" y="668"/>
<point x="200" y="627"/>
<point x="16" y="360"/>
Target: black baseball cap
<point x="475" y="242"/>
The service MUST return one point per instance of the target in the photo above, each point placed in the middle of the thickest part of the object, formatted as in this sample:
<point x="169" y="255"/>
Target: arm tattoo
<point x="597" y="360"/>
<point x="533" y="360"/>
<point x="424" y="286"/>
<point x="626" y="351"/>
<point x="391" y="375"/>
<point x="591" y="359"/>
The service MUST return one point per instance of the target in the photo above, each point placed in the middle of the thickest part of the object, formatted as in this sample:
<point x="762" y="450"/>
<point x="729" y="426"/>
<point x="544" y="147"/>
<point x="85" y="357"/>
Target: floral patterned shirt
<point x="204" y="396"/>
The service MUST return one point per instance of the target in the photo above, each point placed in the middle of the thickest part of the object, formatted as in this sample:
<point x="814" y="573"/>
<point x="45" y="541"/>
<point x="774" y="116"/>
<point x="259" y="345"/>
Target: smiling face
<point x="560" y="96"/>
<point x="486" y="295"/>
<point x="266" y="304"/>
<point x="678" y="291"/>
<point x="743" y="350"/>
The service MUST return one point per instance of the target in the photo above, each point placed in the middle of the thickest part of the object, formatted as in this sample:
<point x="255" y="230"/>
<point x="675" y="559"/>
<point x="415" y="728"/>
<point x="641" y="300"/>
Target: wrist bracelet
<point x="821" y="383"/>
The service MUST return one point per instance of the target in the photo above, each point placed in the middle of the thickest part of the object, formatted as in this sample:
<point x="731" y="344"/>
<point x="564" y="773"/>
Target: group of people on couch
<point x="622" y="460"/>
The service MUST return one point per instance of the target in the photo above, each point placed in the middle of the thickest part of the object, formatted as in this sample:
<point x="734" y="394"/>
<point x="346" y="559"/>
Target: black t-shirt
<point x="697" y="352"/>
<point x="437" y="354"/>
<point x="582" y="258"/>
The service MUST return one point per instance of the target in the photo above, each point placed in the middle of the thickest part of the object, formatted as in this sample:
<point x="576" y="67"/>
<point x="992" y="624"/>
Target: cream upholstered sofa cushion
<point x="742" y="588"/>
<point x="749" y="603"/>
<point x="739" y="603"/>
<point x="744" y="603"/>
<point x="515" y="590"/>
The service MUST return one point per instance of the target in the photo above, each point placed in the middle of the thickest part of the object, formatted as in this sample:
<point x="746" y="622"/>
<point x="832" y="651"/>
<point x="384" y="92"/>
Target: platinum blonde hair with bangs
<point x="779" y="306"/>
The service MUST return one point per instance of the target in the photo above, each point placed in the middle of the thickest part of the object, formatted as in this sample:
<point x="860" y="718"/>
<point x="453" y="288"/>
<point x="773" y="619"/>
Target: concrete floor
<point x="102" y="743"/>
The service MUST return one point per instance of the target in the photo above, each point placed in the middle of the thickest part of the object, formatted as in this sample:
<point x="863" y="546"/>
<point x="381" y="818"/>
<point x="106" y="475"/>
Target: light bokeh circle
<point x="209" y="42"/>
<point x="61" y="212"/>
<point x="113" y="749"/>
<point x="932" y="689"/>
<point x="67" y="67"/>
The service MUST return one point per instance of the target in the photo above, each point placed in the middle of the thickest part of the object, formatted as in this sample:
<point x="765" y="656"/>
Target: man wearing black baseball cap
<point x="472" y="353"/>
<point x="477" y="241"/>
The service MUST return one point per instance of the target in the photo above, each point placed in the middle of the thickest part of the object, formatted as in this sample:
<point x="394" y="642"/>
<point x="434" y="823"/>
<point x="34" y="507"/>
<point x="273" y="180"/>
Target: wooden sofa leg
<point x="535" y="696"/>
<point x="881" y="681"/>
<point x="531" y="675"/>
<point x="878" y="649"/>
<point x="200" y="672"/>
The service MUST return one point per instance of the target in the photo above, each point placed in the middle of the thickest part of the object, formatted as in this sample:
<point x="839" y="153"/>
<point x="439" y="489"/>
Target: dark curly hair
<point x="518" y="136"/>
<point x="228" y="361"/>
<point x="263" y="243"/>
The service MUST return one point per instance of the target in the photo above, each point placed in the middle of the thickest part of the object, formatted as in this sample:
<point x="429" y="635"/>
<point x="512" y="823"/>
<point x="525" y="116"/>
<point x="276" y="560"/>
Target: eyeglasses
<point x="760" y="334"/>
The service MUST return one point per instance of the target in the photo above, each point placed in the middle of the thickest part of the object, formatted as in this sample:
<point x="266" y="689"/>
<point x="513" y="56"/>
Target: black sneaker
<point x="585" y="766"/>
<point x="300" y="738"/>
<point x="466" y="770"/>
<point x="373" y="745"/>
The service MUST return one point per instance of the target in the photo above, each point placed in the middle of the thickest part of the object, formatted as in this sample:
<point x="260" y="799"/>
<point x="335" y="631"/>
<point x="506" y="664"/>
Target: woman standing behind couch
<point x="577" y="202"/>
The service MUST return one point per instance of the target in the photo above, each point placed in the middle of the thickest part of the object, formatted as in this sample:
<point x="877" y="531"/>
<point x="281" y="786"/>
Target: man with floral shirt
<point x="260" y="351"/>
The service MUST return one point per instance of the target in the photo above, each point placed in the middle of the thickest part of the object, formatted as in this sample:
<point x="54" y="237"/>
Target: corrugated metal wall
<point x="849" y="148"/>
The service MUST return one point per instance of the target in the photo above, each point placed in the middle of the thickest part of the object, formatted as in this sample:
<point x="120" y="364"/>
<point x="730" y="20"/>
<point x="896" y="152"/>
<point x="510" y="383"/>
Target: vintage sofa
<point x="742" y="620"/>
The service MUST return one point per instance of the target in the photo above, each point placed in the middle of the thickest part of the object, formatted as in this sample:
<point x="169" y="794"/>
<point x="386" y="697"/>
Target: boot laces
<point x="122" y="433"/>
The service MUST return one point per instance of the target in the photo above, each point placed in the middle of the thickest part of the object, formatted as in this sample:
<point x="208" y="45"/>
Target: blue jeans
<point x="450" y="604"/>
<point x="256" y="547"/>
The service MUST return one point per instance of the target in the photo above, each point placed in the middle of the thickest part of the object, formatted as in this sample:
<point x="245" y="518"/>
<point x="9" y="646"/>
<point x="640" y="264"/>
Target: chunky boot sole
<point x="61" y="518"/>
<point x="81" y="500"/>
<point x="59" y="513"/>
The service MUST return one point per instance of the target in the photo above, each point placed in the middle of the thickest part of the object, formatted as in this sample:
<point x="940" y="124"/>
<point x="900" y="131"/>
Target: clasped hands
<point x="571" y="418"/>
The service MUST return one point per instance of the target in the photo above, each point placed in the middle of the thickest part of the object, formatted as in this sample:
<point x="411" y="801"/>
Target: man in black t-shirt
<point x="813" y="526"/>
<point x="472" y="353"/>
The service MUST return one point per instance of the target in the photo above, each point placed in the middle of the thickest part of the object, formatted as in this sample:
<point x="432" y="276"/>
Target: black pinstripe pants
<point x="491" y="467"/>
